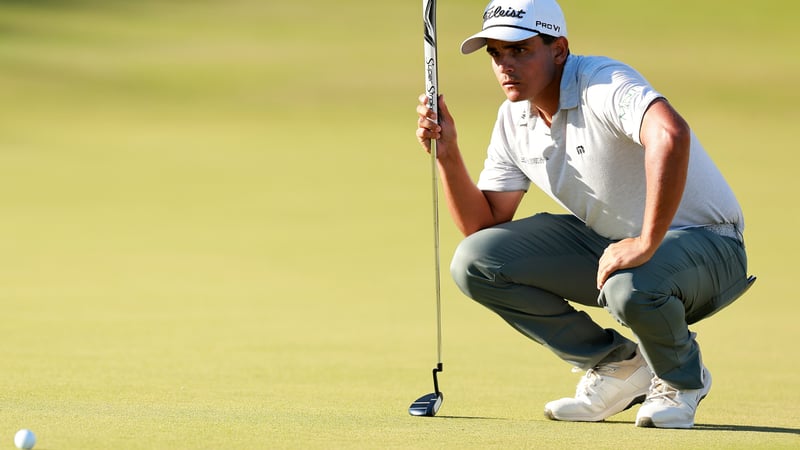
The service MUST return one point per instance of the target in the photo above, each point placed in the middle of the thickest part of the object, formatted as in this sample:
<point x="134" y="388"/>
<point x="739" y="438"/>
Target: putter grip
<point x="431" y="58"/>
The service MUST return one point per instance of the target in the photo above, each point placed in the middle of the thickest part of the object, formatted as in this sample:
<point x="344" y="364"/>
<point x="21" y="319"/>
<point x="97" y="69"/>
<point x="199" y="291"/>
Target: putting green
<point x="216" y="226"/>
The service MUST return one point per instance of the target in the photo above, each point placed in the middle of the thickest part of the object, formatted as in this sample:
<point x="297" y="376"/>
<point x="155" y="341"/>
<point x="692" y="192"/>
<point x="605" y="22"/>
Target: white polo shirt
<point x="590" y="160"/>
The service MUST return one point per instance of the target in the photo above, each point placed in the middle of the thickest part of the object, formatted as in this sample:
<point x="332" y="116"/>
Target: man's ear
<point x="560" y="50"/>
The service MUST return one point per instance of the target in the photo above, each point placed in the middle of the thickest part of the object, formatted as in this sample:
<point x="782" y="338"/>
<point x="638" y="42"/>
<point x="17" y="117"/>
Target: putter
<point x="429" y="404"/>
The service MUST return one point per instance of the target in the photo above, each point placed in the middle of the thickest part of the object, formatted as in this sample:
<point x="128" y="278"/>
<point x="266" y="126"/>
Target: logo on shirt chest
<point x="580" y="150"/>
<point x="534" y="161"/>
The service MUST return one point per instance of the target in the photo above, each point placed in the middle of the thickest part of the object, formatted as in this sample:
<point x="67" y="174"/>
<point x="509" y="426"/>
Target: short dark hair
<point x="547" y="39"/>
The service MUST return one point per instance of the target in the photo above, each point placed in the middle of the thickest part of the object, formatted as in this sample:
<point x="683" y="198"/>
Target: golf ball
<point x="25" y="439"/>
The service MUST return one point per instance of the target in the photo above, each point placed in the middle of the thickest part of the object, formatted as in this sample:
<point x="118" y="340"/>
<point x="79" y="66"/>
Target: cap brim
<point x="501" y="33"/>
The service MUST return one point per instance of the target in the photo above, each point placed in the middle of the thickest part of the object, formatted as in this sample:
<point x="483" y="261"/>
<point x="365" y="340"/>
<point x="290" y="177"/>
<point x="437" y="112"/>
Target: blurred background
<point x="216" y="216"/>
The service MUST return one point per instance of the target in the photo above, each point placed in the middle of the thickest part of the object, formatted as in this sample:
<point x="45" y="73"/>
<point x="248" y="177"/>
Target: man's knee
<point x="469" y="265"/>
<point x="633" y="305"/>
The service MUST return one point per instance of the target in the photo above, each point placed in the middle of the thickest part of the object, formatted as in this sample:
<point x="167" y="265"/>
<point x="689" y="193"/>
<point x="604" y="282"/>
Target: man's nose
<point x="504" y="64"/>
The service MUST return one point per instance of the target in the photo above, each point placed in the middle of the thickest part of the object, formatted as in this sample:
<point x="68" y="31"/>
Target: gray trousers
<point x="528" y="270"/>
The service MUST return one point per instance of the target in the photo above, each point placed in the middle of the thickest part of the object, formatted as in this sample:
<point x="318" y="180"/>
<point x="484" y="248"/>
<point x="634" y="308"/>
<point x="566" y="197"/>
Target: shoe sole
<point x="637" y="400"/>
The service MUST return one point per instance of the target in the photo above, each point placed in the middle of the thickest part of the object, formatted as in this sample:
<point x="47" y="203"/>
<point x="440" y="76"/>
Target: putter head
<point x="427" y="405"/>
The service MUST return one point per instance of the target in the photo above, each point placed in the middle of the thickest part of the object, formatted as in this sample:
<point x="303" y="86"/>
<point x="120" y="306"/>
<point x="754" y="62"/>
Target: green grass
<point x="216" y="226"/>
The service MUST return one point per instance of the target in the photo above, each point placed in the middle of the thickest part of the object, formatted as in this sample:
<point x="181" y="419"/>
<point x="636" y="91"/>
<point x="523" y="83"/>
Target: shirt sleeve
<point x="620" y="96"/>
<point x="501" y="172"/>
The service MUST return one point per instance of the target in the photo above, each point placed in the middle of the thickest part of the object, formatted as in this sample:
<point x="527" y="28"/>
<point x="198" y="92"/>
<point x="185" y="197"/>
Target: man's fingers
<point x="429" y="128"/>
<point x="426" y="124"/>
<point x="606" y="266"/>
<point x="602" y="276"/>
<point x="424" y="133"/>
<point x="424" y="112"/>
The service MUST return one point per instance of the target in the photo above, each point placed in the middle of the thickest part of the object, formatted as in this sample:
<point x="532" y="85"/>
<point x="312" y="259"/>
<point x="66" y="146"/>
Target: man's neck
<point x="546" y="105"/>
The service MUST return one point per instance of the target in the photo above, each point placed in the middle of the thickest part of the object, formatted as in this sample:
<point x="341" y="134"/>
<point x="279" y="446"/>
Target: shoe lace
<point x="660" y="390"/>
<point x="593" y="377"/>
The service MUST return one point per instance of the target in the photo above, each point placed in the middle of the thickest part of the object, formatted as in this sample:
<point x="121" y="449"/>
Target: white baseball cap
<point x="517" y="20"/>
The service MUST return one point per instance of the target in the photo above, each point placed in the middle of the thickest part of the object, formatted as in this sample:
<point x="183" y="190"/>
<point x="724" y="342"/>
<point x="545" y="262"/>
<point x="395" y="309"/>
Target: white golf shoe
<point x="667" y="407"/>
<point x="603" y="391"/>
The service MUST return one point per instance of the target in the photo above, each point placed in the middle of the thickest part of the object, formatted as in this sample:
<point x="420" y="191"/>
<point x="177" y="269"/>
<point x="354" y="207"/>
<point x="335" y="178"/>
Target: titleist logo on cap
<point x="501" y="11"/>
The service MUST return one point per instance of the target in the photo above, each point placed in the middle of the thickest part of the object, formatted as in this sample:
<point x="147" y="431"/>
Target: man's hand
<point x="625" y="254"/>
<point x="427" y="127"/>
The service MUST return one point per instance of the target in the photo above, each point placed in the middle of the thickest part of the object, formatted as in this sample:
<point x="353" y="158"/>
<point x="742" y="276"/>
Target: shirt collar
<point x="569" y="84"/>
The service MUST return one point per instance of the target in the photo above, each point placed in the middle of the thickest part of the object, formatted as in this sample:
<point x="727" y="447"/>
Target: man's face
<point x="525" y="69"/>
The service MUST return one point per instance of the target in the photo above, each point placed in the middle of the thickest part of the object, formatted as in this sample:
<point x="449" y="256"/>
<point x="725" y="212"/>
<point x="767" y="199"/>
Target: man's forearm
<point x="666" y="167"/>
<point x="467" y="204"/>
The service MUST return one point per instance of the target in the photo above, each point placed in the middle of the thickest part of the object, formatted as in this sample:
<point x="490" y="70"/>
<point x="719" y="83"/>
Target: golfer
<point x="652" y="233"/>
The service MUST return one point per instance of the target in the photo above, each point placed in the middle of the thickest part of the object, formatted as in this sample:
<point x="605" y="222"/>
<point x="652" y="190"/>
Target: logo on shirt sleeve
<point x="626" y="103"/>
